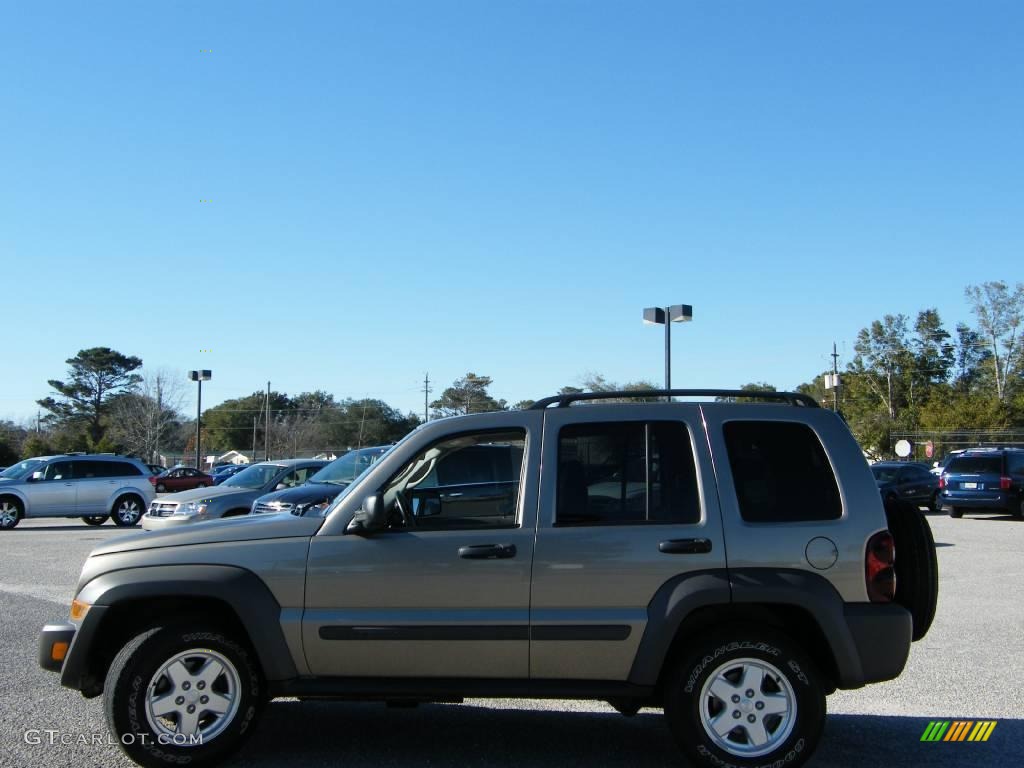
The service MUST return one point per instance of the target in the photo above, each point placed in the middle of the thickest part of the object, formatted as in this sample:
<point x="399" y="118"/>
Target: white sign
<point x="903" y="448"/>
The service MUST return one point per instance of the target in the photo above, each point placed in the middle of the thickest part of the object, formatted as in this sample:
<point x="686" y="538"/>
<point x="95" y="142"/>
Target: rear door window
<point x="781" y="472"/>
<point x="976" y="465"/>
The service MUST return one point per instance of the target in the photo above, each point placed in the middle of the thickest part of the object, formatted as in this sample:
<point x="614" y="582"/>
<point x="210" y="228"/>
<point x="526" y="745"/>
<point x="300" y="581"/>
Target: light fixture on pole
<point x="199" y="377"/>
<point x="677" y="313"/>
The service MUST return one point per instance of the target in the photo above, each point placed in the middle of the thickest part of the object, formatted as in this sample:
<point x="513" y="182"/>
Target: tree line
<point x="906" y="375"/>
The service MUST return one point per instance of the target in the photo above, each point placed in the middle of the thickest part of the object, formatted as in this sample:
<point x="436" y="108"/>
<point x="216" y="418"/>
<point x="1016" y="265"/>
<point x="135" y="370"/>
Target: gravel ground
<point x="967" y="668"/>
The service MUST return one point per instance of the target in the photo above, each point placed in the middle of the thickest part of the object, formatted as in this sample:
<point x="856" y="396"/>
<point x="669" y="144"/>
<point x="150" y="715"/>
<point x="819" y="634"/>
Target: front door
<point x="445" y="591"/>
<point x="54" y="493"/>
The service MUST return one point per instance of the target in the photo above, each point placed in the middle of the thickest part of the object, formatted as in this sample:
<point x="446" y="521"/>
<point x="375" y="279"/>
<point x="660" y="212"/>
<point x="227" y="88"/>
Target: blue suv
<point x="984" y="480"/>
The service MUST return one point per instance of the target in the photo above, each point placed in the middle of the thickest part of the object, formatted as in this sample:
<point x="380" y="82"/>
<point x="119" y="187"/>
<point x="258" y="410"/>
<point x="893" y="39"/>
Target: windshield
<point x="885" y="474"/>
<point x="350" y="466"/>
<point x="21" y="469"/>
<point x="256" y="476"/>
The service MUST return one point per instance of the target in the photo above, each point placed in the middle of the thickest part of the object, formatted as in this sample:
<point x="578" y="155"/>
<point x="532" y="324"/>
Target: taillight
<point x="1004" y="483"/>
<point x="942" y="481"/>
<point x="879" y="575"/>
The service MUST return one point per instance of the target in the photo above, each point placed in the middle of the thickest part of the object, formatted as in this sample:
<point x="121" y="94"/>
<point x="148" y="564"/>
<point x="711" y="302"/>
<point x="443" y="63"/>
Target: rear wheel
<point x="746" y="696"/>
<point x="182" y="696"/>
<point x="95" y="519"/>
<point x="10" y="513"/>
<point x="955" y="512"/>
<point x="933" y="502"/>
<point x="917" y="567"/>
<point x="160" y="487"/>
<point x="127" y="510"/>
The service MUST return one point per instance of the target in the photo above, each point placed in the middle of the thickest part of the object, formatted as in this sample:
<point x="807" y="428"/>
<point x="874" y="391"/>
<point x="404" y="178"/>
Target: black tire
<point x="792" y="675"/>
<point x="917" y="567"/>
<point x="127" y="691"/>
<point x="127" y="510"/>
<point x="1019" y="513"/>
<point x="11" y="512"/>
<point x="160" y="488"/>
<point x="933" y="502"/>
<point x="956" y="512"/>
<point x="95" y="519"/>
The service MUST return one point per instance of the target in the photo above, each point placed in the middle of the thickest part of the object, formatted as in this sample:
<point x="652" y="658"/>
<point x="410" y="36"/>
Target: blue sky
<point x="403" y="187"/>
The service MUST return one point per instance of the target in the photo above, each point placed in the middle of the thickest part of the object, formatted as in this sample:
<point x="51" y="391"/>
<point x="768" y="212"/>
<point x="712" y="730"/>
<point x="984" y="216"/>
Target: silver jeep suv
<point x="728" y="562"/>
<point x="91" y="486"/>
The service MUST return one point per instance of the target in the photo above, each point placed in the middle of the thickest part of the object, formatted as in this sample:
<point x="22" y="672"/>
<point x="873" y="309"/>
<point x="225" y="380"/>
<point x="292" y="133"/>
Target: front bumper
<point x="154" y="523"/>
<point x="54" y="645"/>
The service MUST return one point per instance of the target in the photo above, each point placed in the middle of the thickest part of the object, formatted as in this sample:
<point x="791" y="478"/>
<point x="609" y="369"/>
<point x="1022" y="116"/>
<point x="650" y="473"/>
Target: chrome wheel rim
<point x="747" y="707"/>
<point x="128" y="511"/>
<point x="193" y="697"/>
<point x="8" y="514"/>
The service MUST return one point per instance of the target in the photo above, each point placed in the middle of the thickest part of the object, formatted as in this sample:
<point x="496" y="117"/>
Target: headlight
<point x="192" y="509"/>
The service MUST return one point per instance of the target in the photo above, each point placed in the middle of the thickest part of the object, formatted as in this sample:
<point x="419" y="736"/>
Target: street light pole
<point x="675" y="313"/>
<point x="199" y="377"/>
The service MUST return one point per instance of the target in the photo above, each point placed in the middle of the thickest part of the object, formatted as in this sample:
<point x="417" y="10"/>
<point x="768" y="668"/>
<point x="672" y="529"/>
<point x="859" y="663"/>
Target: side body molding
<point x="241" y="589"/>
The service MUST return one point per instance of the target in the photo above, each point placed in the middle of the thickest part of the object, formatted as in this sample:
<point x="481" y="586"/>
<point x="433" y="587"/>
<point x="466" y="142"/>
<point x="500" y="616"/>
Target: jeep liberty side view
<point x="729" y="562"/>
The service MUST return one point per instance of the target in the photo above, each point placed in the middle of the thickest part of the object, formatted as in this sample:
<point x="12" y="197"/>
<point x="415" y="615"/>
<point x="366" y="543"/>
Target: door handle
<point x="487" y="551"/>
<point x="450" y="495"/>
<point x="685" y="546"/>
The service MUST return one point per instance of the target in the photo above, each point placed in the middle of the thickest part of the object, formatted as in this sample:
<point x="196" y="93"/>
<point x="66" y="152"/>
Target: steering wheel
<point x="404" y="509"/>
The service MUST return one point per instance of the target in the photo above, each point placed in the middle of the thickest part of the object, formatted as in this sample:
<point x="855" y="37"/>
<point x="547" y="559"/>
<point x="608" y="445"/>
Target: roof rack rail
<point x="564" y="401"/>
<point x="75" y="453"/>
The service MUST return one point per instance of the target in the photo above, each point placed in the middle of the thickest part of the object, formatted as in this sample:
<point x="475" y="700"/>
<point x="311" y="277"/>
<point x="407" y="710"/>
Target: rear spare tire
<point x="917" y="568"/>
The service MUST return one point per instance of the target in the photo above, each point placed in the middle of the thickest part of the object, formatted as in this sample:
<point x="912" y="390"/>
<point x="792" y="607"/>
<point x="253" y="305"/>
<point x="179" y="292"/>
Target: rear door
<point x="627" y="503"/>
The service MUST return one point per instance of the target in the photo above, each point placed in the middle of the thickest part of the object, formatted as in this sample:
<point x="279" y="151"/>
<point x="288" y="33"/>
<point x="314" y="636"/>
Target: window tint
<point x="465" y="482"/>
<point x="976" y="465"/>
<point x="626" y="473"/>
<point x="781" y="472"/>
<point x="58" y="470"/>
<point x="92" y="469"/>
<point x="1015" y="463"/>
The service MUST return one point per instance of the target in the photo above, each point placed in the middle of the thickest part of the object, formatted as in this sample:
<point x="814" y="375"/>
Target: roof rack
<point x="564" y="401"/>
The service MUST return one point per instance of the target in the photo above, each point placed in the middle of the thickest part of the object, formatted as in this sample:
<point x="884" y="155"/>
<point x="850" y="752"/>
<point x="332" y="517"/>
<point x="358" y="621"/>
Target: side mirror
<point x="370" y="518"/>
<point x="37" y="475"/>
<point x="280" y="487"/>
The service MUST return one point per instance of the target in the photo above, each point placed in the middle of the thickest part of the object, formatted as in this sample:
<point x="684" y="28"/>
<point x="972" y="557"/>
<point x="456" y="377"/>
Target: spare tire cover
<point x="917" y="568"/>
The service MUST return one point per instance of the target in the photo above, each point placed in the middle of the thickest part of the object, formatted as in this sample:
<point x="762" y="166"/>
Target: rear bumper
<point x="996" y="500"/>
<point x="881" y="633"/>
<point x="54" y="645"/>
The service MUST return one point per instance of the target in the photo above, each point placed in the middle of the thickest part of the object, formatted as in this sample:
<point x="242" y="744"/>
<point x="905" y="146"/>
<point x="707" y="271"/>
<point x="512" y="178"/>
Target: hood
<point x="206" y="493"/>
<point x="243" y="528"/>
<point x="304" y="494"/>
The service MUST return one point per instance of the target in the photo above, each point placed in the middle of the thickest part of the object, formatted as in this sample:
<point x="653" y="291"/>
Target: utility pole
<point x="266" y="437"/>
<point x="39" y="424"/>
<point x="254" y="420"/>
<point x="835" y="378"/>
<point x="159" y="423"/>
<point x="426" y="395"/>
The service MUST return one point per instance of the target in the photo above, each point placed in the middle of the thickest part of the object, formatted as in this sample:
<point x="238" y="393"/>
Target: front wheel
<point x="95" y="519"/>
<point x="10" y="513"/>
<point x="745" y="697"/>
<point x="182" y="696"/>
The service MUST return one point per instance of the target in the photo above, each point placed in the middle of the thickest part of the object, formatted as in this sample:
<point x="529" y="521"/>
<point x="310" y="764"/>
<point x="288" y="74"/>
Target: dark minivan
<point x="984" y="480"/>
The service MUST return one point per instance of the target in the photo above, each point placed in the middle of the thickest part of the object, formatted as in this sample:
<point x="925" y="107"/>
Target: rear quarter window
<point x="781" y="472"/>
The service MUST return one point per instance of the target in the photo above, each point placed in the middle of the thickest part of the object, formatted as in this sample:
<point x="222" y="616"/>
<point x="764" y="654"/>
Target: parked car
<point x="180" y="479"/>
<point x="224" y="472"/>
<point x="232" y="497"/>
<point x="984" y="480"/>
<point x="907" y="481"/>
<point x="91" y="486"/>
<point x="321" y="487"/>
<point x="757" y="577"/>
<point x="938" y="467"/>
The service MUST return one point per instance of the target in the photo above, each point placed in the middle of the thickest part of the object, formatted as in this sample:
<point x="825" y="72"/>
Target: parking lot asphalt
<point x="969" y="667"/>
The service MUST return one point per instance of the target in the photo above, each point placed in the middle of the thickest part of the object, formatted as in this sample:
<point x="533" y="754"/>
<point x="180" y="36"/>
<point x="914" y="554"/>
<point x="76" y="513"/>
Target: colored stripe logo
<point x="959" y="730"/>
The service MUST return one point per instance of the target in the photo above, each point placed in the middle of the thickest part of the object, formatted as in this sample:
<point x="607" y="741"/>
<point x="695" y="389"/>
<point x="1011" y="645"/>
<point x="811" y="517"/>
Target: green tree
<point x="467" y="395"/>
<point x="1000" y="313"/>
<point x="756" y="386"/>
<point x="82" y="403"/>
<point x="230" y="424"/>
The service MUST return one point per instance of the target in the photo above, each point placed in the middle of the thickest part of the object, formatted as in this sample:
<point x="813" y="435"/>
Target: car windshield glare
<point x="885" y="474"/>
<point x="22" y="469"/>
<point x="348" y="467"/>
<point x="255" y="476"/>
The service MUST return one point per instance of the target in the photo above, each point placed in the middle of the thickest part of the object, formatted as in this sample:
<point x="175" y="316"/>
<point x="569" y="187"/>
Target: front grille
<point x="272" y="507"/>
<point x="163" y="508"/>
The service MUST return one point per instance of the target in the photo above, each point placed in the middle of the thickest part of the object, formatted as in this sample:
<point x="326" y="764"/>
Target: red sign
<point x="929" y="449"/>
